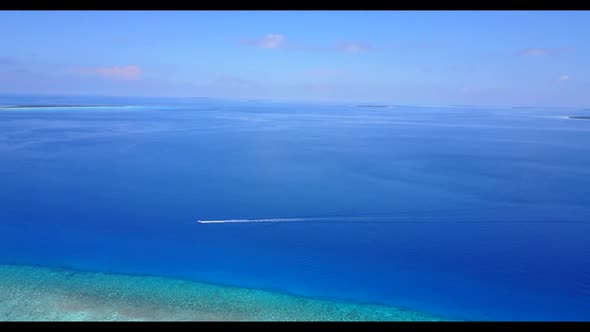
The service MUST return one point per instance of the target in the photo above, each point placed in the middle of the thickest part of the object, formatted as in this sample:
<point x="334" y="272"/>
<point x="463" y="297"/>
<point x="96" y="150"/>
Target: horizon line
<point x="356" y="103"/>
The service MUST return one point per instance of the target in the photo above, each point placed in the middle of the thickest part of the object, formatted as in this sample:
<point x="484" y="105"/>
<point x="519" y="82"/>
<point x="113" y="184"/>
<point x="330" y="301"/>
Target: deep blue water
<point x="469" y="213"/>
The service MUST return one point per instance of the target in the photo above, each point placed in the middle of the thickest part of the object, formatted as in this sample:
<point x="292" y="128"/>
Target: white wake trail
<point x="299" y="219"/>
<point x="253" y="220"/>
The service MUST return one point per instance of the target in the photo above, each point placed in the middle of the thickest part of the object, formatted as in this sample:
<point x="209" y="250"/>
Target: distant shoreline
<point x="378" y="106"/>
<point x="579" y="117"/>
<point x="57" y="106"/>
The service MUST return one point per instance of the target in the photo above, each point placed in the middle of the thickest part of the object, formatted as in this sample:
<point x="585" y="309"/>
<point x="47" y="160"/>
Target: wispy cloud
<point x="129" y="72"/>
<point x="468" y="89"/>
<point x="427" y="45"/>
<point x="232" y="81"/>
<point x="17" y="80"/>
<point x="354" y="47"/>
<point x="537" y="51"/>
<point x="564" y="77"/>
<point x="271" y="40"/>
<point x="426" y="69"/>
<point x="277" y="40"/>
<point x="543" y="51"/>
<point x="6" y="61"/>
<point x="325" y="72"/>
<point x="416" y="45"/>
<point x="461" y="68"/>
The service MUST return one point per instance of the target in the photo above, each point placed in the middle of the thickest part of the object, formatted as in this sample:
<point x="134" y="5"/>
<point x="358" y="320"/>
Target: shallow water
<point x="29" y="293"/>
<point x="463" y="213"/>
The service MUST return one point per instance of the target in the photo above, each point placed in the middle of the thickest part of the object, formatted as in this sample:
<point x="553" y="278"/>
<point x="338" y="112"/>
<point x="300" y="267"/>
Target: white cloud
<point x="538" y="51"/>
<point x="130" y="72"/>
<point x="271" y="40"/>
<point x="354" y="47"/>
<point x="545" y="51"/>
<point x="564" y="77"/>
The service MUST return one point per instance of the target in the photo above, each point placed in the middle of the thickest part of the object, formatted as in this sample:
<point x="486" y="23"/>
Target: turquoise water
<point x="461" y="213"/>
<point x="30" y="293"/>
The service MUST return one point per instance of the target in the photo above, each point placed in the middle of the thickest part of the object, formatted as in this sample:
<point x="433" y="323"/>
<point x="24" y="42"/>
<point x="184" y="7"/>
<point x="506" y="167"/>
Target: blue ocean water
<point x="464" y="212"/>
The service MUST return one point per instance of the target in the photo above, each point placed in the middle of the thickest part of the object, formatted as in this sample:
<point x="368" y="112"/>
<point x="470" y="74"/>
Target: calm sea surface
<point x="462" y="212"/>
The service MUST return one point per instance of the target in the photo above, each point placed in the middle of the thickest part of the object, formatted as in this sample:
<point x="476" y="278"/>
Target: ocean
<point x="457" y="212"/>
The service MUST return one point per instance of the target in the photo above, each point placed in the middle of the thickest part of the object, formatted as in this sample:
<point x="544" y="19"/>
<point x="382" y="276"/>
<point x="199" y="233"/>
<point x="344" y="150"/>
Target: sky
<point x="495" y="58"/>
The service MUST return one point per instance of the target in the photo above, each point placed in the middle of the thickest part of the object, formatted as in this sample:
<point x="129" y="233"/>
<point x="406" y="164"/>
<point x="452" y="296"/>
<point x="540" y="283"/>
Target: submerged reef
<point x="30" y="293"/>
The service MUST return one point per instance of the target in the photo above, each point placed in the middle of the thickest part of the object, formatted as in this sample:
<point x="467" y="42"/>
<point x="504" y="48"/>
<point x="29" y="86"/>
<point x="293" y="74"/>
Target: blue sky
<point x="498" y="58"/>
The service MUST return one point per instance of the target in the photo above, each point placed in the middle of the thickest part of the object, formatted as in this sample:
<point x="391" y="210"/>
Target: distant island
<point x="375" y="106"/>
<point x="52" y="106"/>
<point x="580" y="117"/>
